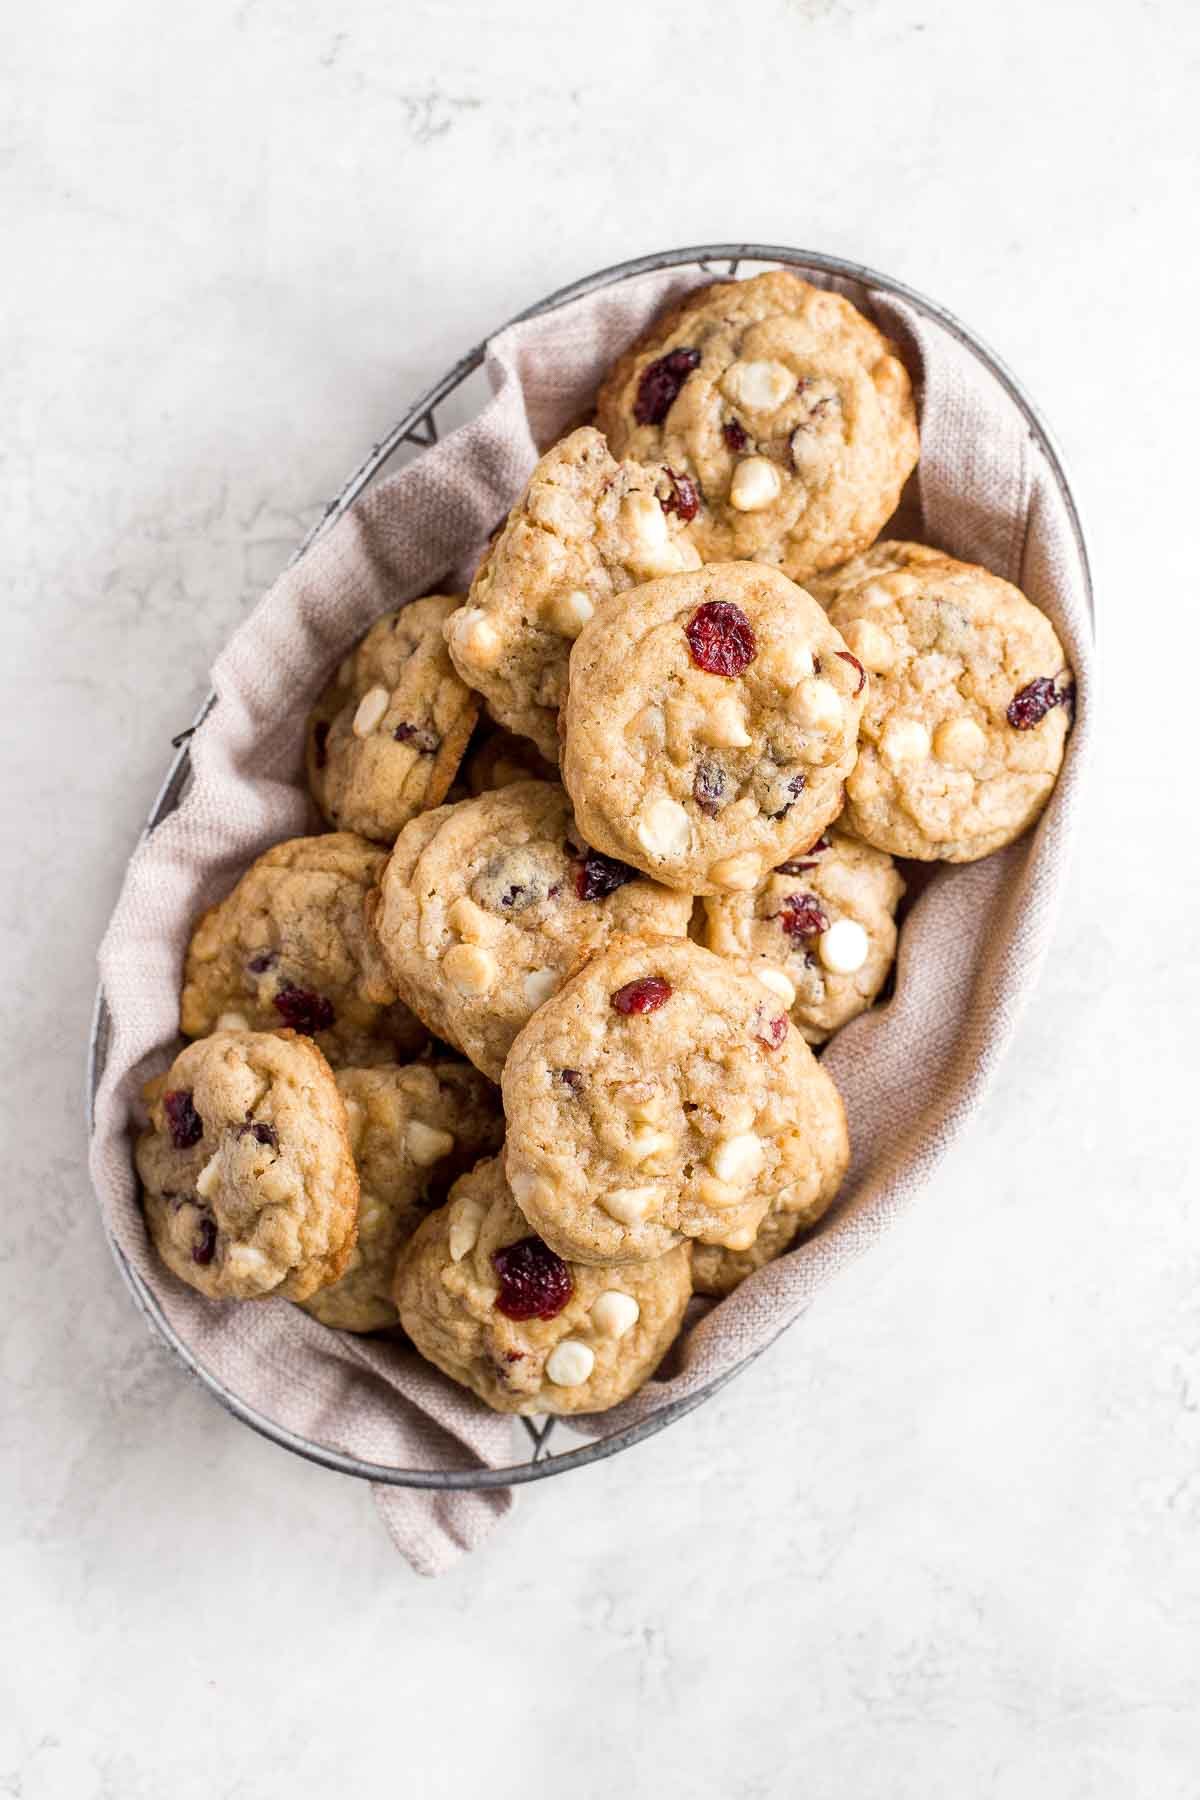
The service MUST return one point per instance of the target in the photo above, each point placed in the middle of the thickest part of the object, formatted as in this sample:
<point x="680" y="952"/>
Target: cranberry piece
<point x="419" y="736"/>
<point x="597" y="875"/>
<point x="303" y="1010"/>
<point x="262" y="1133"/>
<point x="320" y="739"/>
<point x="795" y="788"/>
<point x="684" y="497"/>
<point x="572" y="1079"/>
<point x="734" y="433"/>
<point x="801" y="916"/>
<point x="204" y="1246"/>
<point x="720" y="638"/>
<point x="855" y="664"/>
<point x="265" y="959"/>
<point x="708" y="788"/>
<point x="659" y="386"/>
<point x="643" y="996"/>
<point x="534" y="1282"/>
<point x="771" y="1032"/>
<point x="1030" y="704"/>
<point x="798" y="868"/>
<point x="183" y="1121"/>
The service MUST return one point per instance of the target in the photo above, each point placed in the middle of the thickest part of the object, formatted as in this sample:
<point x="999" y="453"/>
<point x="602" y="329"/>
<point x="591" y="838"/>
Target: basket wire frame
<point x="418" y="430"/>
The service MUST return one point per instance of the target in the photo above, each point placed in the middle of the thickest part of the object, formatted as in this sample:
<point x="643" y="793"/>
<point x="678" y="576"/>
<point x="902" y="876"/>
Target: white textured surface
<point x="946" y="1538"/>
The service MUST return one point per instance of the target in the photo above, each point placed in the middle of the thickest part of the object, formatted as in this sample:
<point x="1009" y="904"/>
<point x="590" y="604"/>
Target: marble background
<point x="945" y="1538"/>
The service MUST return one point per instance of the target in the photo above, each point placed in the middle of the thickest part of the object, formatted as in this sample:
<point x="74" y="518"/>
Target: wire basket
<point x="547" y="1453"/>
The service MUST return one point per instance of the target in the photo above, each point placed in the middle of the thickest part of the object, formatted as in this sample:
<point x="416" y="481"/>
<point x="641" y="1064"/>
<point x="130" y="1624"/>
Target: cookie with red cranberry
<point x="249" y="1186"/>
<point x="388" y="733"/>
<point x="586" y="528"/>
<point x="413" y="1131"/>
<point x="503" y="758"/>
<point x="486" y="907"/>
<point x="968" y="706"/>
<point x="494" y="1308"/>
<point x="711" y="721"/>
<point x="290" y="947"/>
<point x="663" y="1094"/>
<point x="820" y="930"/>
<point x="790" y="414"/>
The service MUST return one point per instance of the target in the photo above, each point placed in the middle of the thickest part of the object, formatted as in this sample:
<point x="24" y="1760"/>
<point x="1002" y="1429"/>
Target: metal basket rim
<point x="418" y="425"/>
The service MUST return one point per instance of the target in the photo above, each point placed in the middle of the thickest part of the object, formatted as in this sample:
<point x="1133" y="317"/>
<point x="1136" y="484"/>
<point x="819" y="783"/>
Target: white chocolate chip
<point x="664" y="828"/>
<point x="570" y="1363"/>
<point x="816" y="704"/>
<point x="614" y="1313"/>
<point x="760" y="386"/>
<point x="960" y="742"/>
<point x="756" y="483"/>
<point x="628" y="1206"/>
<point x="719" y="1194"/>
<point x="471" y="970"/>
<point x="738" y="1159"/>
<point x="737" y="873"/>
<point x="464" y="1229"/>
<point x="647" y="1145"/>
<point x="538" y="986"/>
<point x="569" y="613"/>
<point x="478" y="640"/>
<point x="903" y="741"/>
<point x="233" y="1021"/>
<point x="724" y="724"/>
<point x="650" y="723"/>
<point x="650" y="547"/>
<point x="209" y="1178"/>
<point x="371" y="709"/>
<point x="738" y="1115"/>
<point x="791" y="662"/>
<point x="246" y="1262"/>
<point x="741" y="1240"/>
<point x="529" y="1189"/>
<point x="873" y="647"/>
<point x="427" y="1144"/>
<point x="843" y="947"/>
<point x="472" y="924"/>
<point x="777" y="981"/>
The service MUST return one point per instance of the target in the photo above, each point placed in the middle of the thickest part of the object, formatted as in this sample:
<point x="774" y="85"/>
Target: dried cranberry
<point x="571" y="1078"/>
<point x="597" y="875"/>
<point x="708" y="788"/>
<point x="262" y="1133"/>
<point x="720" y="638"/>
<point x="266" y="959"/>
<point x="303" y="1010"/>
<point x="534" y="1282"/>
<point x="659" y="386"/>
<point x="795" y="788"/>
<point x="184" y="1122"/>
<point x="204" y="1245"/>
<point x="798" y="867"/>
<point x="801" y="916"/>
<point x="642" y="996"/>
<point x="1029" y="706"/>
<point x="684" y="497"/>
<point x="734" y="434"/>
<point x="855" y="664"/>
<point x="419" y="736"/>
<point x="771" y="1032"/>
<point x="320" y="739"/>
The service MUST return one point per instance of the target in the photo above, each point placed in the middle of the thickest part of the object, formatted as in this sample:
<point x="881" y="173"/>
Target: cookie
<point x="503" y="758"/>
<point x="711" y="721"/>
<point x="249" y="1182"/>
<point x="413" y="1131"/>
<point x="486" y="907"/>
<point x="495" y="1309"/>
<point x="968" y="707"/>
<point x="789" y="412"/>
<point x="662" y="1095"/>
<point x="586" y="528"/>
<point x="821" y="929"/>
<point x="388" y="733"/>
<point x="290" y="947"/>
<point x="717" y="1272"/>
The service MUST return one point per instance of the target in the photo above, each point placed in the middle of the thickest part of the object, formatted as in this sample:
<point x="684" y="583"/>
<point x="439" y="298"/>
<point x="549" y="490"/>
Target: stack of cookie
<point x="523" y="1051"/>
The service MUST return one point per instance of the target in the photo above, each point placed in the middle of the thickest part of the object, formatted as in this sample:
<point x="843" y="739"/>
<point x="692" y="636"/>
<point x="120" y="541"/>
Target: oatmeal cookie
<point x="388" y="733"/>
<point x="495" y="1309"/>
<point x="249" y="1183"/>
<point x="711" y="721"/>
<point x="290" y="946"/>
<point x="503" y="758"/>
<point x="486" y="907"/>
<point x="663" y="1094"/>
<point x="789" y="412"/>
<point x="586" y="528"/>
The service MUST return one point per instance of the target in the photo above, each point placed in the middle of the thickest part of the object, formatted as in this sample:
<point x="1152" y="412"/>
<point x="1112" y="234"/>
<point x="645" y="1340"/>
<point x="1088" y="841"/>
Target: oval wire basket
<point x="416" y="431"/>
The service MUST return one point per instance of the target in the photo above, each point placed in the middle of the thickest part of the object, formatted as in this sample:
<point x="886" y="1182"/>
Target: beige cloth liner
<point x="911" y="1072"/>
